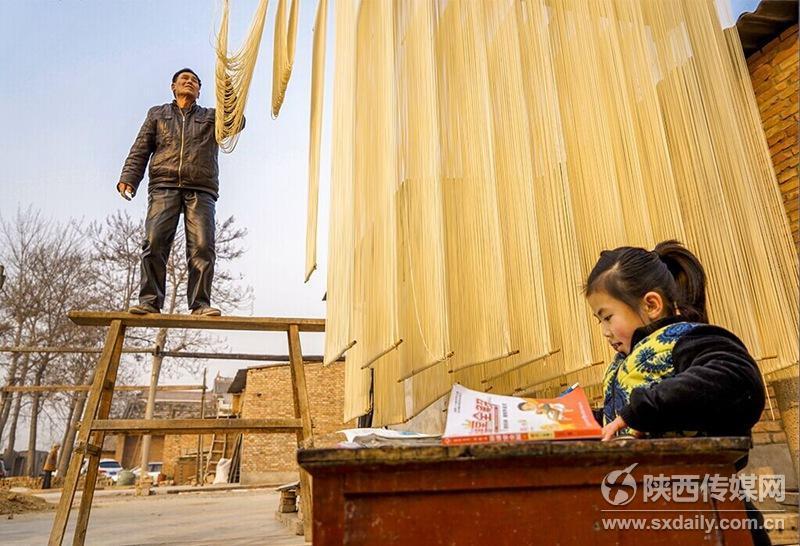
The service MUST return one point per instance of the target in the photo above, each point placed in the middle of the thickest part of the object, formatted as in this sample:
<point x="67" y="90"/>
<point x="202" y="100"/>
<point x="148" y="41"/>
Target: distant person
<point x="50" y="466"/>
<point x="178" y="140"/>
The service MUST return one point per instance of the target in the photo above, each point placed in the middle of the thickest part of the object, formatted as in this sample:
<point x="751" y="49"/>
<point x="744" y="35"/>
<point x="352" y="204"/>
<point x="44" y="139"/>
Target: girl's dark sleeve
<point x="717" y="389"/>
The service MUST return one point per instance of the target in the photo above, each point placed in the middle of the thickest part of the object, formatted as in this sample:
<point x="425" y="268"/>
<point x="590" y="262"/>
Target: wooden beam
<point x="199" y="322"/>
<point x="305" y="433"/>
<point x="238" y="356"/>
<point x="72" y="350"/>
<point x="195" y="426"/>
<point x="159" y="387"/>
<point x="170" y="354"/>
<point x="118" y="388"/>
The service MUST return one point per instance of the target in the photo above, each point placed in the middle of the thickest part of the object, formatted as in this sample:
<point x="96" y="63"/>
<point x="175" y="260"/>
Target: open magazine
<point x="382" y="437"/>
<point x="477" y="417"/>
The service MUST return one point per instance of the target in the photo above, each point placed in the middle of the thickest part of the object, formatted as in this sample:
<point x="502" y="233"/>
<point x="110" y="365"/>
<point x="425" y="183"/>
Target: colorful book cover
<point x="478" y="417"/>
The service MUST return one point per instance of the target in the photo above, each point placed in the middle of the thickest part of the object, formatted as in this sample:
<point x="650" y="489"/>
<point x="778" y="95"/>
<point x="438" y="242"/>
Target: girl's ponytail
<point x="690" y="278"/>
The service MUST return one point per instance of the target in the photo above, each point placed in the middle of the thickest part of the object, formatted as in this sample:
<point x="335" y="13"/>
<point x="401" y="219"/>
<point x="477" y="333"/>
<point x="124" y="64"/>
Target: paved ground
<point x="221" y="517"/>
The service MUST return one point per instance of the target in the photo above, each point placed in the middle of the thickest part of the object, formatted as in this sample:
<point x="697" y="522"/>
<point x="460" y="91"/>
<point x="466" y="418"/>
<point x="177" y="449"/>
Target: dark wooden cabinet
<point x="532" y="493"/>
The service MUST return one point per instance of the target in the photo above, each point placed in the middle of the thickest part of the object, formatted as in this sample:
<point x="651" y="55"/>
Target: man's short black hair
<point x="182" y="70"/>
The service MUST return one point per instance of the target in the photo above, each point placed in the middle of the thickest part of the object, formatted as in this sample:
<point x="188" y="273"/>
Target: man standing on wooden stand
<point x="178" y="140"/>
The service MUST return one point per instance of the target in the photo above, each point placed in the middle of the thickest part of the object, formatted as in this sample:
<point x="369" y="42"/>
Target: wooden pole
<point x="170" y="354"/>
<point x="95" y="445"/>
<point x="71" y="350"/>
<point x="98" y="405"/>
<point x="239" y="356"/>
<point x="196" y="322"/>
<point x="302" y="411"/>
<point x="134" y="427"/>
<point x="201" y="479"/>
<point x="161" y="338"/>
<point x="81" y="388"/>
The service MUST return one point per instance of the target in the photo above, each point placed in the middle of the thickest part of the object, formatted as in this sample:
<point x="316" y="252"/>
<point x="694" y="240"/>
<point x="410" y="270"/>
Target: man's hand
<point x="611" y="429"/>
<point x="126" y="190"/>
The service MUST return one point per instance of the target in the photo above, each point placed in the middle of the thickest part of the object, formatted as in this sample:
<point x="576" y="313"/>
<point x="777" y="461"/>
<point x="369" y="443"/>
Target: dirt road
<point x="225" y="517"/>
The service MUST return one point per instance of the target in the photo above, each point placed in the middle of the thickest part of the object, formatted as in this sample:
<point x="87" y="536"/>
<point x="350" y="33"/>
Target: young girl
<point x="673" y="372"/>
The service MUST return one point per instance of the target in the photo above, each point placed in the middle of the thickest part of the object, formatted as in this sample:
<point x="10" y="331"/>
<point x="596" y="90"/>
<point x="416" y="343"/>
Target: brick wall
<point x="769" y="430"/>
<point x="176" y="445"/>
<point x="773" y="71"/>
<point x="271" y="457"/>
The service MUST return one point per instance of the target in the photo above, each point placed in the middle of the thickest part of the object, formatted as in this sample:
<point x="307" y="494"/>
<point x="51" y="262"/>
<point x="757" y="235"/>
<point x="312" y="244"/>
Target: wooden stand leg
<point x="97" y="407"/>
<point x="89" y="485"/>
<point x="67" y="495"/>
<point x="302" y="411"/>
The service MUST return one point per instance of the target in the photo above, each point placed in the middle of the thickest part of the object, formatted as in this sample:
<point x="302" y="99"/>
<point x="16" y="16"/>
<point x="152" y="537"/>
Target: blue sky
<point x="739" y="6"/>
<point x="77" y="79"/>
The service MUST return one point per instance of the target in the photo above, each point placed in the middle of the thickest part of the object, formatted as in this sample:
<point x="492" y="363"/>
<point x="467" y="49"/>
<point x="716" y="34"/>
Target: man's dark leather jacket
<point x="181" y="148"/>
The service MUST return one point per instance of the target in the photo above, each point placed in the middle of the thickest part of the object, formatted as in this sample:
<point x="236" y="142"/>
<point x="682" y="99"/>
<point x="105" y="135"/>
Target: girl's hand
<point x="611" y="429"/>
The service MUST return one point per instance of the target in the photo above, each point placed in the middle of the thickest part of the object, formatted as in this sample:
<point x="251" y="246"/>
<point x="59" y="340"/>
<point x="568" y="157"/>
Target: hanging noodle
<point x="339" y="330"/>
<point x="484" y="153"/>
<point x="421" y="251"/>
<point x="375" y="325"/>
<point x="283" y="52"/>
<point x="315" y="134"/>
<point x="234" y="73"/>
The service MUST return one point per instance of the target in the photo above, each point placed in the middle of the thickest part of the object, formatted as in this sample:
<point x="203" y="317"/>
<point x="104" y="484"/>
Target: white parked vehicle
<point x="153" y="470"/>
<point x="110" y="468"/>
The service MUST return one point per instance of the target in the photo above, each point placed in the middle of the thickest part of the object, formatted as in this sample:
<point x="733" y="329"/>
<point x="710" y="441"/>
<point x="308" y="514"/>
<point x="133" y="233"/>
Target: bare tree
<point x="19" y="303"/>
<point x="61" y="266"/>
<point x="52" y="268"/>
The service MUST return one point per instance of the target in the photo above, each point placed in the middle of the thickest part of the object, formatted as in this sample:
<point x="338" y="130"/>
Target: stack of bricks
<point x="28" y="482"/>
<point x="21" y="481"/>
<point x="773" y="71"/>
<point x="288" y="501"/>
<point x="289" y="510"/>
<point x="270" y="458"/>
<point x="769" y="430"/>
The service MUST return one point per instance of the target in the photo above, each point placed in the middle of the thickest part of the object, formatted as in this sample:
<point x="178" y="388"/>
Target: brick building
<point x="168" y="405"/>
<point x="770" y="42"/>
<point x="773" y="70"/>
<point x="265" y="392"/>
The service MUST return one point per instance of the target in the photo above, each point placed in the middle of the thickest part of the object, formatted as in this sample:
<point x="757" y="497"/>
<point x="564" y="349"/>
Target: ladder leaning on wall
<point x="216" y="451"/>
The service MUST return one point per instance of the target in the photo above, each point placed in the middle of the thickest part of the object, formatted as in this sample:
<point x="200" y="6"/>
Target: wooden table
<point x="517" y="494"/>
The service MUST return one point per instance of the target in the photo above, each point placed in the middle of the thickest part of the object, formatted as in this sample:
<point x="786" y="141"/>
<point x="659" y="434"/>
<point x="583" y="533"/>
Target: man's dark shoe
<point x="206" y="311"/>
<point x="143" y="309"/>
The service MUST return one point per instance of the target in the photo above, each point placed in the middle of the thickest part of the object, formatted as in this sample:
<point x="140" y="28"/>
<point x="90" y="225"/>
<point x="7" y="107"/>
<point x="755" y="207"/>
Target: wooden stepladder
<point x="219" y="444"/>
<point x="96" y="424"/>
